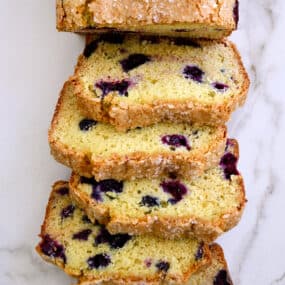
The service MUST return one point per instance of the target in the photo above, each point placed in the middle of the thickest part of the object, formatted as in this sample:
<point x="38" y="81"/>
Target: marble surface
<point x="35" y="61"/>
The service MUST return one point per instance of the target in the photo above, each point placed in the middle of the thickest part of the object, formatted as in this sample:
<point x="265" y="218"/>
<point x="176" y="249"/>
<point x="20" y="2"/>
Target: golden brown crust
<point x="167" y="227"/>
<point x="56" y="261"/>
<point x="136" y="165"/>
<point x="203" y="18"/>
<point x="112" y="279"/>
<point x="218" y="254"/>
<point x="126" y="116"/>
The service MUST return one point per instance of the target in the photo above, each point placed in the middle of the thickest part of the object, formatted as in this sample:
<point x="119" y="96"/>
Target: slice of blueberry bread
<point x="97" y="149"/>
<point x="200" y="18"/>
<point x="88" y="251"/>
<point x="170" y="208"/>
<point x="136" y="81"/>
<point x="216" y="273"/>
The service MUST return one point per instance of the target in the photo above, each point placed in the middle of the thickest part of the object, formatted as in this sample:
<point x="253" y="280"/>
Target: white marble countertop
<point x="36" y="60"/>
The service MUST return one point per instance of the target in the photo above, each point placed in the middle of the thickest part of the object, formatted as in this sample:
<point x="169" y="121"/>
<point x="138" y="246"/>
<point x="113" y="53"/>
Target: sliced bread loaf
<point x="170" y="208"/>
<point x="136" y="81"/>
<point x="89" y="252"/>
<point x="97" y="149"/>
<point x="199" y="18"/>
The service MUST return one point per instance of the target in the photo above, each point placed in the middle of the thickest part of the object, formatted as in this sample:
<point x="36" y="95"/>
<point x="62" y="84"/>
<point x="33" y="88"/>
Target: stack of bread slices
<point x="141" y="123"/>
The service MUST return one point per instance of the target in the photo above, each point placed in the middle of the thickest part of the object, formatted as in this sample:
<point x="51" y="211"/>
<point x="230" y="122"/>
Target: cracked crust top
<point x="203" y="18"/>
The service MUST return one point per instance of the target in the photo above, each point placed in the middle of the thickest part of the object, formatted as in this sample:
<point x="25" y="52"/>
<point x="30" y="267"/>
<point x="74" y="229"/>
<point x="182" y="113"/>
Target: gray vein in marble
<point x="279" y="279"/>
<point x="258" y="50"/>
<point x="256" y="56"/>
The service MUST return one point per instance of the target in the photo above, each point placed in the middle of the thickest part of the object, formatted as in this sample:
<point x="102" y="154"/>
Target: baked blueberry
<point x="104" y="186"/>
<point x="222" y="278"/>
<point x="86" y="220"/>
<point x="87" y="124"/>
<point x="149" y="201"/>
<point x="114" y="241"/>
<point x="52" y="248"/>
<point x="229" y="165"/>
<point x="112" y="38"/>
<point x="172" y="175"/>
<point x="96" y="194"/>
<point x="186" y="42"/>
<point x="67" y="211"/>
<point x="236" y="12"/>
<point x="175" y="188"/>
<point x="176" y="141"/>
<point x="133" y="61"/>
<point x="112" y="86"/>
<point x="90" y="48"/>
<point x="99" y="260"/>
<point x="200" y="252"/>
<point x="220" y="86"/>
<point x="110" y="185"/>
<point x="193" y="72"/>
<point x="63" y="191"/>
<point x="103" y="237"/>
<point x="82" y="235"/>
<point x="162" y="266"/>
<point x="119" y="240"/>
<point x="85" y="180"/>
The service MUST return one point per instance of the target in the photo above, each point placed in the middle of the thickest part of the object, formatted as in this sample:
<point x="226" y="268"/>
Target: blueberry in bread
<point x="136" y="81"/>
<point x="170" y="208"/>
<point x="89" y="252"/>
<point x="203" y="18"/>
<point x="96" y="149"/>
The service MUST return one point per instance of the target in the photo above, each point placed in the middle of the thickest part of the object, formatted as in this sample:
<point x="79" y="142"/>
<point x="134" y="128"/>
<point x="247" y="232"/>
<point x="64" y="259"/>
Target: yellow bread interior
<point x="208" y="198"/>
<point x="103" y="140"/>
<point x="162" y="78"/>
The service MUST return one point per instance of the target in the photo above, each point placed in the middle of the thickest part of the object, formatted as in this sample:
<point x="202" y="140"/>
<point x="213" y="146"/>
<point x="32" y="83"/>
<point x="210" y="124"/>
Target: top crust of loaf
<point x="202" y="18"/>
